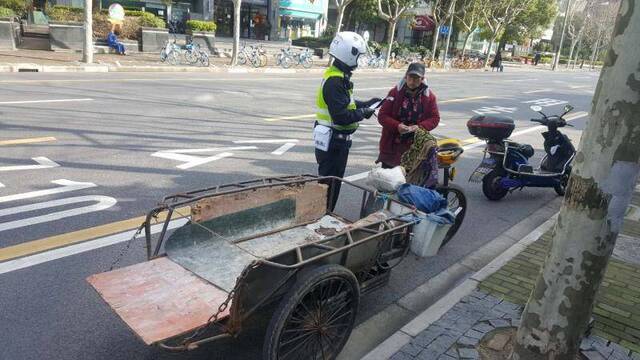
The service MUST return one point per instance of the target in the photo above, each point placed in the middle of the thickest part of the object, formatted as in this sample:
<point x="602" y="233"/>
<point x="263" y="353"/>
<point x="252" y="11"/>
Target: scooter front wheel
<point x="491" y="187"/>
<point x="457" y="203"/>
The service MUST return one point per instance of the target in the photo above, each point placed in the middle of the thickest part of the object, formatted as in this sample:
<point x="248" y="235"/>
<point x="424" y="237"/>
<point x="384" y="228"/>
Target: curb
<point x="402" y="337"/>
<point x="385" y="333"/>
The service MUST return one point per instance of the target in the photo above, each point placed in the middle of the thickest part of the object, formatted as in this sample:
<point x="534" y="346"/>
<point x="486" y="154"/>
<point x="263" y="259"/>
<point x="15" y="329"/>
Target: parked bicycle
<point x="371" y="61"/>
<point x="254" y="55"/>
<point x="192" y="54"/>
<point x="288" y="57"/>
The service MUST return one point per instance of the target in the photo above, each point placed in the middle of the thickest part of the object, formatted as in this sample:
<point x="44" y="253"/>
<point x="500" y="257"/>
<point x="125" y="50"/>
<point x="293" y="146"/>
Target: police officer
<point x="338" y="114"/>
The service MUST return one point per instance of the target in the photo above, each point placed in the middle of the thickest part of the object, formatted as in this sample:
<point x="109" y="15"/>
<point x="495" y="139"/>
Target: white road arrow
<point x="103" y="202"/>
<point x="67" y="185"/>
<point x="287" y="144"/>
<point x="44" y="163"/>
<point x="192" y="161"/>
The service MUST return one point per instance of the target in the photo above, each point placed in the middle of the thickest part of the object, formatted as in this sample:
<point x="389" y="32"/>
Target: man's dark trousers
<point x="333" y="163"/>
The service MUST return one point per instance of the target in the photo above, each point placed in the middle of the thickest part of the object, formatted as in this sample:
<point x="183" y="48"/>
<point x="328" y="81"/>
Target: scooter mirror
<point x="536" y="108"/>
<point x="567" y="108"/>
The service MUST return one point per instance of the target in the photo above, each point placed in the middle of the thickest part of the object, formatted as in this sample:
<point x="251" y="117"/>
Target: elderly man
<point x="409" y="106"/>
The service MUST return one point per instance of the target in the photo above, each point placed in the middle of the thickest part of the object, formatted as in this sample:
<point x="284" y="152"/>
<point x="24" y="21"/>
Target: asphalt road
<point x="123" y="141"/>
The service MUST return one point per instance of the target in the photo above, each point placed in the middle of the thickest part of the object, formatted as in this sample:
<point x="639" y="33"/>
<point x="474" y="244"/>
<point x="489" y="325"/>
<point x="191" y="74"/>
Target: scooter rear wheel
<point x="491" y="187"/>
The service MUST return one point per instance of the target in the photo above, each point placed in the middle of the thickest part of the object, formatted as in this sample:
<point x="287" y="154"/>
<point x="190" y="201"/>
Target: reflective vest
<point x="323" y="117"/>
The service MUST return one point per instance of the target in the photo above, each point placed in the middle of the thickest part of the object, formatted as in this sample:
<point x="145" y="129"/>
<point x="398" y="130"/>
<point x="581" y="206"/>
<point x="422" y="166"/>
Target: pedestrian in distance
<point x="536" y="58"/>
<point x="337" y="113"/>
<point x="497" y="62"/>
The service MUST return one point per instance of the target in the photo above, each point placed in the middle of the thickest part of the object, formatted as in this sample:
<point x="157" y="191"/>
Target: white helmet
<point x="347" y="46"/>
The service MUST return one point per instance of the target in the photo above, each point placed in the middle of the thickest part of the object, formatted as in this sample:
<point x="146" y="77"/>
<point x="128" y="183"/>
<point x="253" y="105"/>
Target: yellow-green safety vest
<point x="323" y="117"/>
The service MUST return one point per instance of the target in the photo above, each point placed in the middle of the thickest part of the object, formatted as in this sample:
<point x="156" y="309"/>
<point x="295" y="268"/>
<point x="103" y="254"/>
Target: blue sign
<point x="444" y="30"/>
<point x="312" y="6"/>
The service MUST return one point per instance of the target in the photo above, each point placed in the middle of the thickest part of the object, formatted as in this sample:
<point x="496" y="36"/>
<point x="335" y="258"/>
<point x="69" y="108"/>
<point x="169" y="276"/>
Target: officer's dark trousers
<point x="333" y="163"/>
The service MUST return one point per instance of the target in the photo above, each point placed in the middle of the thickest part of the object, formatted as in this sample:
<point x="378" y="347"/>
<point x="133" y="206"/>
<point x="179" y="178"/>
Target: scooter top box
<point x="491" y="127"/>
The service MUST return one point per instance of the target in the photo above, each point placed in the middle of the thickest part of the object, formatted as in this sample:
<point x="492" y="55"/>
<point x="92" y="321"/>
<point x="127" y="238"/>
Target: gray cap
<point x="416" y="69"/>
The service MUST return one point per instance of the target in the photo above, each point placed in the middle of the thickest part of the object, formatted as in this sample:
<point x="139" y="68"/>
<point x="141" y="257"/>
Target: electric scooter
<point x="505" y="166"/>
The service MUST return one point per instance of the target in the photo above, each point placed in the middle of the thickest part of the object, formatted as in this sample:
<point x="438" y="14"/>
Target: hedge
<point x="197" y="25"/>
<point x="18" y="7"/>
<point x="6" y="12"/>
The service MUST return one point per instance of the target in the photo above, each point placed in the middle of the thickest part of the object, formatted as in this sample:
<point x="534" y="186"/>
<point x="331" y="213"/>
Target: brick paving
<point x="499" y="300"/>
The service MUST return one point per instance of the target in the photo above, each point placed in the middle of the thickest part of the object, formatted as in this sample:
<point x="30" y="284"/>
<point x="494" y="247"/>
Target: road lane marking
<point x="578" y="86"/>
<point x="32" y="260"/>
<point x="27" y="141"/>
<point x="296" y="117"/>
<point x="463" y="99"/>
<point x="1" y="185"/>
<point x="103" y="202"/>
<point x="43" y="163"/>
<point x="536" y="91"/>
<point x="43" y="101"/>
<point x="286" y="144"/>
<point x="79" y="236"/>
<point x="309" y="116"/>
<point x="66" y="186"/>
<point x="22" y="255"/>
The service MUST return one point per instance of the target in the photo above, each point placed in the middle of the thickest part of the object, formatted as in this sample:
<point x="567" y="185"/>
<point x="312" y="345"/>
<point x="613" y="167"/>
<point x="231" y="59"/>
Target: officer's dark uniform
<point x="338" y="110"/>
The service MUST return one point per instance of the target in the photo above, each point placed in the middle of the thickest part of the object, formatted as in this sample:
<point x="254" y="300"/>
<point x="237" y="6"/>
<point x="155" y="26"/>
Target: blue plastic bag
<point x="425" y="200"/>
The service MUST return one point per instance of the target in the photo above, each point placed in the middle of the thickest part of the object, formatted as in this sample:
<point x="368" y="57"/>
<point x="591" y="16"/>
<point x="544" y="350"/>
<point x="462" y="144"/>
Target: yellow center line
<point x="57" y="241"/>
<point x="307" y="116"/>
<point x="27" y="141"/>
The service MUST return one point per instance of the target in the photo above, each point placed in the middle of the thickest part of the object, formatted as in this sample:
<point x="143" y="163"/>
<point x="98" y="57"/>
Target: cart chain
<point x="126" y="248"/>
<point x="213" y="319"/>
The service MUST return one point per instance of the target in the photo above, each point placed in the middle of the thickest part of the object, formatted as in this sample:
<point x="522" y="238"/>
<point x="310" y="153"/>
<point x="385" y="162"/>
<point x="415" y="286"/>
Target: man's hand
<point x="403" y="129"/>
<point x="367" y="112"/>
<point x="372" y="101"/>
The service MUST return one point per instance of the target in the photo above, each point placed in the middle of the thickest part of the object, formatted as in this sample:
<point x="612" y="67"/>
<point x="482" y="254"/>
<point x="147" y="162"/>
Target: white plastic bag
<point x="386" y="180"/>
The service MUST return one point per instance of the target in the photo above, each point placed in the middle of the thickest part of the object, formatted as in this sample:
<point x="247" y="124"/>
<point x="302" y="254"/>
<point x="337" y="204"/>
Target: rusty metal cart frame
<point x="359" y="259"/>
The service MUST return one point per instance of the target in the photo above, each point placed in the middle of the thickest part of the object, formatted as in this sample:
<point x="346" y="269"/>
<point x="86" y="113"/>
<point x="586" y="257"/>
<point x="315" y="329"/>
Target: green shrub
<point x="150" y="20"/>
<point x="311" y="42"/>
<point x="19" y="7"/>
<point x="6" y="12"/>
<point x="136" y="13"/>
<point x="65" y="14"/>
<point x="197" y="25"/>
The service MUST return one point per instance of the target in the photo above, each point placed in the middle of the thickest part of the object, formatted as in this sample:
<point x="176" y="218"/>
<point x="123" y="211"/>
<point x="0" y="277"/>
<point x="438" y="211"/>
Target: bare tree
<point x="498" y="15"/>
<point x="605" y="173"/>
<point x="393" y="10"/>
<point x="237" y="5"/>
<point x="341" y="6"/>
<point x="469" y="17"/>
<point x="440" y="11"/>
<point x="578" y="15"/>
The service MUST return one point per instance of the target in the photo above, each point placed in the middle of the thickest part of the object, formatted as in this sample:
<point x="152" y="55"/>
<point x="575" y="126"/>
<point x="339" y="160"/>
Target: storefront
<point x="253" y="23"/>
<point x="300" y="18"/>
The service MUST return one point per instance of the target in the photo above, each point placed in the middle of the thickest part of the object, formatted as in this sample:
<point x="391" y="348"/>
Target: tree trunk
<point x="390" y="34"/>
<point x="466" y="39"/>
<point x="605" y="174"/>
<point x="575" y="60"/>
<point x="340" y="17"/>
<point x="237" y="4"/>
<point x="594" y="50"/>
<point x="573" y="46"/>
<point x="87" y="50"/>
<point x="556" y="60"/>
<point x="486" y="59"/>
<point x="434" y="44"/>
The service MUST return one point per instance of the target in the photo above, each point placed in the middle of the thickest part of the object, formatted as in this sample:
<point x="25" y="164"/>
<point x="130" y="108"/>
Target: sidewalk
<point x="51" y="61"/>
<point x="494" y="298"/>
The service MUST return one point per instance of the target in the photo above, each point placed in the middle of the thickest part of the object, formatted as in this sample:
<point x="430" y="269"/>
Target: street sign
<point x="444" y="30"/>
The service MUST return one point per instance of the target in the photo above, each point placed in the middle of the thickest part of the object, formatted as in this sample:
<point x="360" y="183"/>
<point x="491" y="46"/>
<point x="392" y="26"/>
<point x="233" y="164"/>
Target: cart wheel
<point x="491" y="185"/>
<point x="316" y="316"/>
<point x="457" y="203"/>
